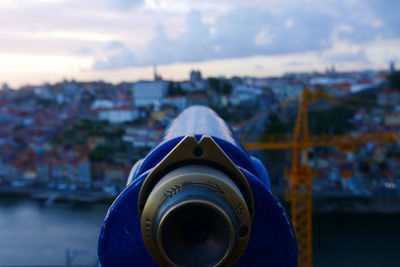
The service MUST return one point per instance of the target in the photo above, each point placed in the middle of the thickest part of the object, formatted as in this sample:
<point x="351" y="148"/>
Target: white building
<point x="244" y="93"/>
<point x="389" y="97"/>
<point x="195" y="76"/>
<point x="43" y="92"/>
<point x="187" y="86"/>
<point x="149" y="93"/>
<point x="286" y="91"/>
<point x="79" y="171"/>
<point x="180" y="102"/>
<point x="102" y="103"/>
<point x="141" y="137"/>
<point x="118" y="114"/>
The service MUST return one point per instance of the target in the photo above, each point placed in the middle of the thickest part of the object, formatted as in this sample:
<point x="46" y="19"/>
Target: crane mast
<point x="299" y="187"/>
<point x="299" y="191"/>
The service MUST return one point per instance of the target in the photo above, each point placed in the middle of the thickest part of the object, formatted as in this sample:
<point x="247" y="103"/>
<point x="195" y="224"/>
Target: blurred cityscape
<point x="78" y="140"/>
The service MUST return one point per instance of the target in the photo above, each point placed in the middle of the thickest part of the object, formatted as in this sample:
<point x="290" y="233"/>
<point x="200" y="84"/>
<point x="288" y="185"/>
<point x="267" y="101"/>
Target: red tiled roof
<point x="390" y="92"/>
<point x="365" y="81"/>
<point x="114" y="108"/>
<point x="176" y="96"/>
<point x="196" y="95"/>
<point x="341" y="85"/>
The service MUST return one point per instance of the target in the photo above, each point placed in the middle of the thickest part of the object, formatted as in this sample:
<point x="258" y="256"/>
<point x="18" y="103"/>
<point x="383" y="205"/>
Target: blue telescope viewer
<point x="197" y="199"/>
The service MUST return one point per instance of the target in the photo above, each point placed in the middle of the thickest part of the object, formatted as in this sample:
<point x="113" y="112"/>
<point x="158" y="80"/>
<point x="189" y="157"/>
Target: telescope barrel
<point x="197" y="199"/>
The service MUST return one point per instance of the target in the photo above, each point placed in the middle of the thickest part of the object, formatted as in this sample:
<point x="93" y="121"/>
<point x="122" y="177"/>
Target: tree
<point x="226" y="88"/>
<point x="175" y="89"/>
<point x="394" y="80"/>
<point x="214" y="83"/>
<point x="101" y="153"/>
<point x="221" y="87"/>
<point x="276" y="126"/>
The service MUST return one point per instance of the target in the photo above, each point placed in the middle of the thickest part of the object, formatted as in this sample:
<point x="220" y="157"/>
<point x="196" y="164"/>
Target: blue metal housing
<point x="272" y="241"/>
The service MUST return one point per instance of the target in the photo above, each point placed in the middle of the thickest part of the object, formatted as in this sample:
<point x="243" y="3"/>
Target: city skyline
<point x="49" y="40"/>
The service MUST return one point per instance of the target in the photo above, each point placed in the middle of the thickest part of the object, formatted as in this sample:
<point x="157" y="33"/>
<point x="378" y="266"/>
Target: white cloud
<point x="239" y="33"/>
<point x="345" y="52"/>
<point x="31" y="63"/>
<point x="69" y="35"/>
<point x="123" y="5"/>
<point x="120" y="34"/>
<point x="289" y="23"/>
<point x="263" y="38"/>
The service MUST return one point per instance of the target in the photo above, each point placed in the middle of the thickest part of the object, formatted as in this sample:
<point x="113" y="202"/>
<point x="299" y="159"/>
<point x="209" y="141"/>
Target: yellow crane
<point x="299" y="175"/>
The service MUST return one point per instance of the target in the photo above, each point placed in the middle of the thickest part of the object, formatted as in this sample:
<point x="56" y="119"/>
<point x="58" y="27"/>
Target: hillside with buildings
<point x="84" y="136"/>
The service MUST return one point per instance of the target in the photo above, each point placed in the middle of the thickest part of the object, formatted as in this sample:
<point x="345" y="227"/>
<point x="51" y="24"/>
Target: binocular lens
<point x="195" y="216"/>
<point x="196" y="234"/>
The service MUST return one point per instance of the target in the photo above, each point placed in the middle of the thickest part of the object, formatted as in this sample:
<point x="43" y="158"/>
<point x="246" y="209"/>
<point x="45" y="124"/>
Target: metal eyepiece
<point x="196" y="233"/>
<point x="195" y="216"/>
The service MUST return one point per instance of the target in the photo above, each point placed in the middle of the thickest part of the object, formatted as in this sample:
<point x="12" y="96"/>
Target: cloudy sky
<point x="115" y="40"/>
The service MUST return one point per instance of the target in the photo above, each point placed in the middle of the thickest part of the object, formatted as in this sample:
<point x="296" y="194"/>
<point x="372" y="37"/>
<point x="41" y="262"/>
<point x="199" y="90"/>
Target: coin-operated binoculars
<point x="197" y="199"/>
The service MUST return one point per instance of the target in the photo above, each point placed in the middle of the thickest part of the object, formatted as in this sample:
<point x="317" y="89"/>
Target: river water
<point x="33" y="234"/>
